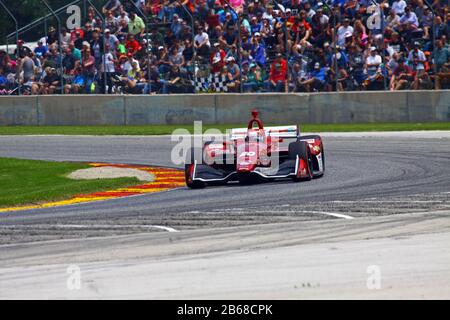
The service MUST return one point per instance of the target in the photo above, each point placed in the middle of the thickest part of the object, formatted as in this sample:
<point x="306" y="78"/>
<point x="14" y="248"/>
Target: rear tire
<point x="187" y="166"/>
<point x="301" y="149"/>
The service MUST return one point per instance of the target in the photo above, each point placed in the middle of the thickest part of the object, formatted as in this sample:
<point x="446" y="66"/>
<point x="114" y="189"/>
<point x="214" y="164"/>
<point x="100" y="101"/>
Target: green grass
<point x="24" y="182"/>
<point x="168" y="129"/>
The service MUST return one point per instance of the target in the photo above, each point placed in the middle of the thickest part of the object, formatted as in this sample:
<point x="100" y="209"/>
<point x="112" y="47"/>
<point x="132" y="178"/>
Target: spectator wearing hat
<point x="252" y="78"/>
<point x="343" y="31"/>
<point x="226" y="15"/>
<point x="316" y="79"/>
<point x="356" y="62"/>
<point x="373" y="62"/>
<point x="176" y="26"/>
<point x="417" y="59"/>
<point x="108" y="65"/>
<point x="233" y="75"/>
<point x="52" y="37"/>
<point x="258" y="51"/>
<point x="21" y="49"/>
<point x="278" y="74"/>
<point x="50" y="82"/>
<point x="255" y="25"/>
<point x="402" y="76"/>
<point x="297" y="74"/>
<point x="128" y="64"/>
<point x="399" y="6"/>
<point x="111" y="39"/>
<point x="217" y="59"/>
<point x="78" y="40"/>
<point x="162" y="60"/>
<point x="41" y="49"/>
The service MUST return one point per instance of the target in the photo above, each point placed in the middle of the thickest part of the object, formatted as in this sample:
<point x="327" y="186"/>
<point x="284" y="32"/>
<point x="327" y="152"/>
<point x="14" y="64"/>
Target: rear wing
<point x="285" y="132"/>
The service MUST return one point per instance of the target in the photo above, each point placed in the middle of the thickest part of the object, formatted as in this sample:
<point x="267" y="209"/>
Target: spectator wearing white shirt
<point x="201" y="42"/>
<point x="417" y="59"/>
<point x="399" y="7"/>
<point x="128" y="65"/>
<point x="392" y="20"/>
<point x="373" y="61"/>
<point x="343" y="31"/>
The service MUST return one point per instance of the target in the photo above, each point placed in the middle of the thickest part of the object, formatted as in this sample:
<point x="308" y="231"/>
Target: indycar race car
<point x="256" y="154"/>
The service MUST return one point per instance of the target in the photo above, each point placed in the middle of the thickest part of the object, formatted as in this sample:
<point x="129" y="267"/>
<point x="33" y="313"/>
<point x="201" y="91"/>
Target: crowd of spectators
<point x="153" y="46"/>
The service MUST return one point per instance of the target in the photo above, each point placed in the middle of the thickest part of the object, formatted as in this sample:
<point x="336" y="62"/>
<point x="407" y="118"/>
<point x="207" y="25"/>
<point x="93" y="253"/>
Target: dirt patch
<point x="111" y="173"/>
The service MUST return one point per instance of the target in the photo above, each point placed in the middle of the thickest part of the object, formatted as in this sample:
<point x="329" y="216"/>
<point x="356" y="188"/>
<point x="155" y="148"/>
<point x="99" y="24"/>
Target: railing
<point x="56" y="15"/>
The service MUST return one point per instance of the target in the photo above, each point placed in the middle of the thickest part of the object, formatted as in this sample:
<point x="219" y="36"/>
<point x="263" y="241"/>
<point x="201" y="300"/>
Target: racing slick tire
<point x="301" y="149"/>
<point x="187" y="167"/>
<point x="315" y="164"/>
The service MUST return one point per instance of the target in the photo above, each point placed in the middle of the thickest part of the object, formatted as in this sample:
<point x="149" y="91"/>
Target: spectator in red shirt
<point x="402" y="76"/>
<point x="278" y="72"/>
<point x="217" y="58"/>
<point x="132" y="45"/>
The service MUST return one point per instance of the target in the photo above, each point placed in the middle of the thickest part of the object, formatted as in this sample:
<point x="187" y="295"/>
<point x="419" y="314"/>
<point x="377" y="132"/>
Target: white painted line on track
<point x="333" y="214"/>
<point x="96" y="226"/>
<point x="388" y="201"/>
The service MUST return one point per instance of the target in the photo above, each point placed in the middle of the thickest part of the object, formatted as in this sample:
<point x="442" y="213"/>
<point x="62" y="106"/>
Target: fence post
<point x="194" y="78"/>
<point x="429" y="5"/>
<point x="105" y="82"/>
<point x="334" y="35"/>
<point x="17" y="33"/>
<point x="286" y="43"/>
<point x="146" y="38"/>
<point x="59" y="45"/>
<point x="383" y="59"/>
<point x="239" y="45"/>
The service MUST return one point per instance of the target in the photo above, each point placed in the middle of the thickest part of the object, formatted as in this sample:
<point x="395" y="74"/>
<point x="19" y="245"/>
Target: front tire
<point x="187" y="172"/>
<point x="315" y="163"/>
<point x="301" y="149"/>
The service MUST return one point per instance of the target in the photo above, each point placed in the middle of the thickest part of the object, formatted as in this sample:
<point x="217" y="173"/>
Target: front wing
<point x="210" y="174"/>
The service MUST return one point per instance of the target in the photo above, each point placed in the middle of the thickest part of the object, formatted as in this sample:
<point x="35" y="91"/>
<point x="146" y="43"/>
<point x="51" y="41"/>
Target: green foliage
<point x="168" y="129"/>
<point x="27" y="11"/>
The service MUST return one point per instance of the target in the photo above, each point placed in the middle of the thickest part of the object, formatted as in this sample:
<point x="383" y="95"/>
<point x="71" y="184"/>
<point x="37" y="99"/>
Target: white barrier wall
<point x="276" y="108"/>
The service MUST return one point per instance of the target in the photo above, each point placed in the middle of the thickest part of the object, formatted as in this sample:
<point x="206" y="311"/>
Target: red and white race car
<point x="255" y="154"/>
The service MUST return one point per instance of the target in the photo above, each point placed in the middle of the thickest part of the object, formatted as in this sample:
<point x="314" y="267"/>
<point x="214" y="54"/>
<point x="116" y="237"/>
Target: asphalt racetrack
<point x="381" y="210"/>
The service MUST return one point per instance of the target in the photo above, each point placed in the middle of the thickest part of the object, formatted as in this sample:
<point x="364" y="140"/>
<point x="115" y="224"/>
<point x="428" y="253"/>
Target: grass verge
<point x="168" y="129"/>
<point x="24" y="182"/>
